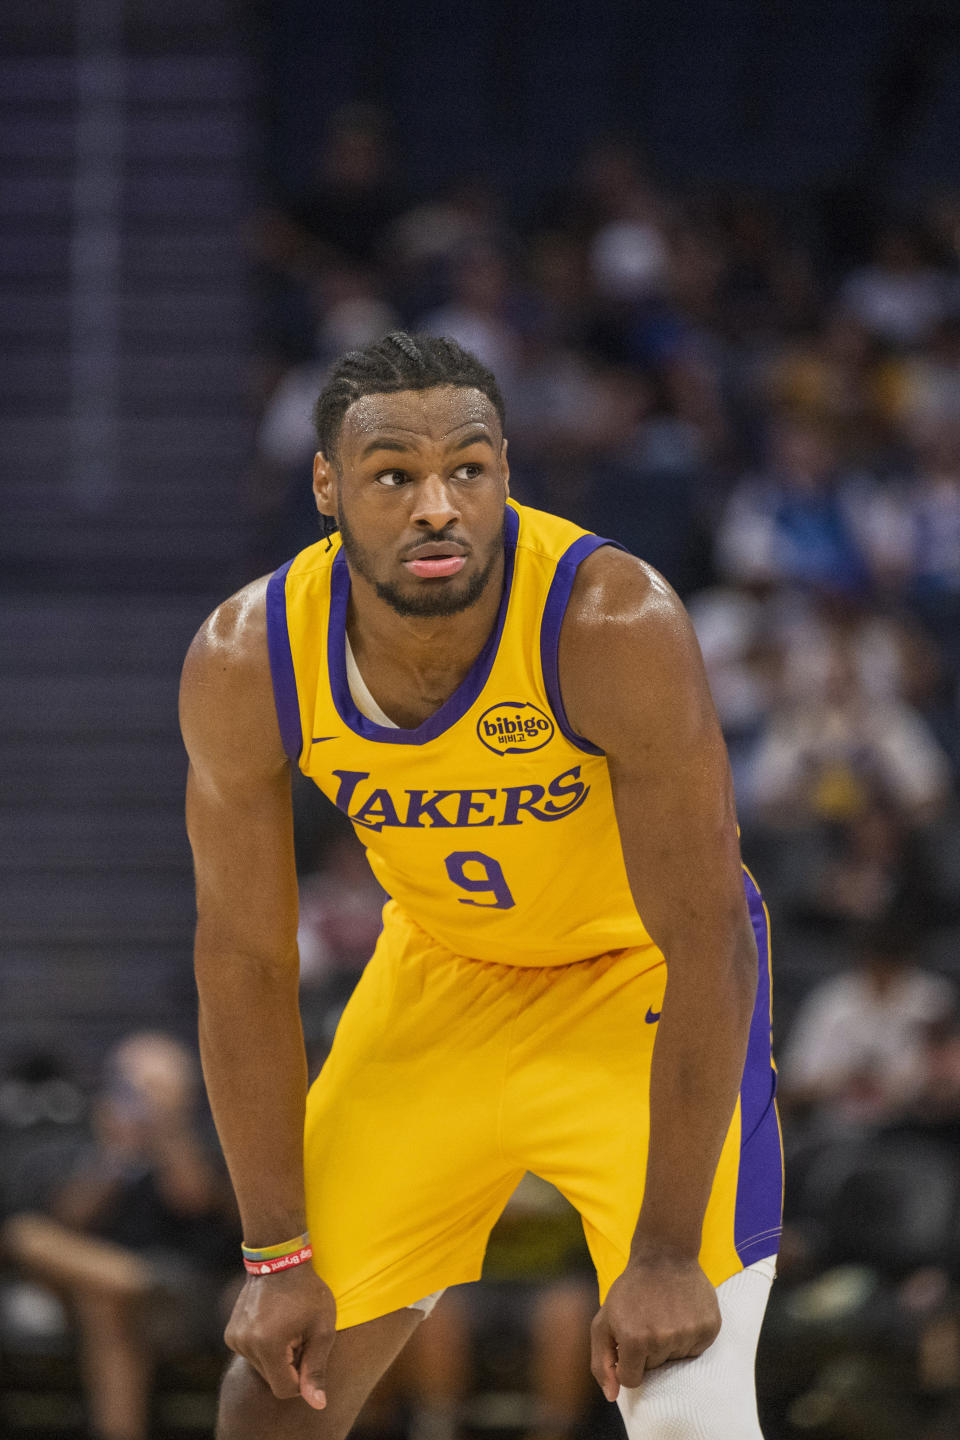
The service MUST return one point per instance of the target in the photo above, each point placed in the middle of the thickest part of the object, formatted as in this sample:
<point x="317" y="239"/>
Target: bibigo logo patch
<point x="514" y="728"/>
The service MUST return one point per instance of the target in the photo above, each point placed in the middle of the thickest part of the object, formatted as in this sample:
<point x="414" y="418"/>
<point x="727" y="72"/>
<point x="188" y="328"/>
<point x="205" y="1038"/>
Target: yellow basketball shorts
<point x="451" y="1077"/>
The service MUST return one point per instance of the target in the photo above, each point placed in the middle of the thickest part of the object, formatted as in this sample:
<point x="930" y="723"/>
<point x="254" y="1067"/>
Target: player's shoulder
<point x="628" y="655"/>
<point x="615" y="592"/>
<point x="232" y="641"/>
<point x="227" y="708"/>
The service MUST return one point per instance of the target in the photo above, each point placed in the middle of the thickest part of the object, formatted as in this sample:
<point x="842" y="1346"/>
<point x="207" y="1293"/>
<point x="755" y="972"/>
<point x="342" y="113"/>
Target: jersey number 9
<point x="490" y="881"/>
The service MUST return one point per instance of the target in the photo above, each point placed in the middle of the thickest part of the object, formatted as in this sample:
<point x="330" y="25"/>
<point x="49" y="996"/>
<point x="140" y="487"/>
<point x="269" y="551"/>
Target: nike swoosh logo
<point x="315" y="739"/>
<point x="653" y="1015"/>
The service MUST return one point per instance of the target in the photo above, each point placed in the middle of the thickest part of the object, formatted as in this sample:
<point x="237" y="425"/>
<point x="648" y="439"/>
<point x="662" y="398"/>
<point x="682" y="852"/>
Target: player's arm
<point x="633" y="683"/>
<point x="251" y="1042"/>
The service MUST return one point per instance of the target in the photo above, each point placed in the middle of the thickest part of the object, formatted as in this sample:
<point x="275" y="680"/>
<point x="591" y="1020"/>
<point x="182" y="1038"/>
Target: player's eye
<point x="468" y="472"/>
<point x="392" y="479"/>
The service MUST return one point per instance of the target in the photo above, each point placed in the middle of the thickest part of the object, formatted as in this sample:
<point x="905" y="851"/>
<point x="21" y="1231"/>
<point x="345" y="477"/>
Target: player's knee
<point x="249" y="1410"/>
<point x="701" y="1409"/>
<point x="241" y="1391"/>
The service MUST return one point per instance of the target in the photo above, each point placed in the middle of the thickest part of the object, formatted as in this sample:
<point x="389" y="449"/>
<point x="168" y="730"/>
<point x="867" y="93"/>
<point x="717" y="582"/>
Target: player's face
<point x="419" y="495"/>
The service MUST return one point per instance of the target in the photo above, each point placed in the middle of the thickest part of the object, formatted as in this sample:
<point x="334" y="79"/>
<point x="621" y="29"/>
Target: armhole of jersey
<point x="281" y="664"/>
<point x="553" y="613"/>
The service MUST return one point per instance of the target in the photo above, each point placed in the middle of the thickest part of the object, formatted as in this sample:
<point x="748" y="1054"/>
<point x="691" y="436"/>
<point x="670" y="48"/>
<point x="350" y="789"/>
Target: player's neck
<point x="431" y="650"/>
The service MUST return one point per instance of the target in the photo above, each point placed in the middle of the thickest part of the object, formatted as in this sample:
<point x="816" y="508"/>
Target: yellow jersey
<point x="491" y="824"/>
<point x="492" y="827"/>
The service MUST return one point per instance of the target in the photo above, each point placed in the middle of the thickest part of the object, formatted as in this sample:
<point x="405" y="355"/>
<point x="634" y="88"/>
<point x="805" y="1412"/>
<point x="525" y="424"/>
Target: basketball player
<point x="514" y="715"/>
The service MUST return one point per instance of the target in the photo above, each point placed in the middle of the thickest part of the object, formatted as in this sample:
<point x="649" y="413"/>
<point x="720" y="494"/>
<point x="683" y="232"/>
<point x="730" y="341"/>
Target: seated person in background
<point x="134" y="1232"/>
<point x="341" y="907"/>
<point x="854" y="1055"/>
<point x="825" y="755"/>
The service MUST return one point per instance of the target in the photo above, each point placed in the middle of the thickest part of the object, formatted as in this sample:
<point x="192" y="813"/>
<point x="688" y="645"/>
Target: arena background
<point x="712" y="252"/>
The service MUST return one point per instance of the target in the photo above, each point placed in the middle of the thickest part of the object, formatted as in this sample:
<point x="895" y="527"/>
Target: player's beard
<point x="432" y="599"/>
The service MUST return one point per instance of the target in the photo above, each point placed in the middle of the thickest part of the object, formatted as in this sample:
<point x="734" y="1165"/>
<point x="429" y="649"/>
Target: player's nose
<point x="433" y="506"/>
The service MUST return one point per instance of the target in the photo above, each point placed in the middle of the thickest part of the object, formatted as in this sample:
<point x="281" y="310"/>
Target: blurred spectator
<point x="481" y="313"/>
<point x="930" y="390"/>
<point x="829" y="755"/>
<point x="935" y="1106"/>
<point x="539" y="1290"/>
<point x="839" y="379"/>
<point x="855" y="1052"/>
<point x="133" y="1232"/>
<point x="340" y="919"/>
<point x="303" y="245"/>
<point x="917" y="540"/>
<point x="901" y="296"/>
<point x="286" y="439"/>
<point x="733" y="626"/>
<point x="870" y="873"/>
<point x="277" y="487"/>
<point x="352" y="198"/>
<point x="37" y="1090"/>
<point x="768" y="286"/>
<point x="421" y="249"/>
<point x="794" y="521"/>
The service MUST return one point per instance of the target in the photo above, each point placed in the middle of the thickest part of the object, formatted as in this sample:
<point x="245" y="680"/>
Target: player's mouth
<point x="436" y="561"/>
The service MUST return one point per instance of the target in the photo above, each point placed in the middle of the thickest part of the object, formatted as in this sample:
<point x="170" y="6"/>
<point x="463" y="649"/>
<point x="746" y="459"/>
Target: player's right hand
<point x="284" y="1325"/>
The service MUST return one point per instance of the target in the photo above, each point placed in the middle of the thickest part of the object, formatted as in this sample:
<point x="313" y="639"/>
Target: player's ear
<point x="504" y="466"/>
<point x="324" y="484"/>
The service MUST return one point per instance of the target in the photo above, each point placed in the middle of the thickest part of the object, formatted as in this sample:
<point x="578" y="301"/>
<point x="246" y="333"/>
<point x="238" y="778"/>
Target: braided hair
<point x="397" y="362"/>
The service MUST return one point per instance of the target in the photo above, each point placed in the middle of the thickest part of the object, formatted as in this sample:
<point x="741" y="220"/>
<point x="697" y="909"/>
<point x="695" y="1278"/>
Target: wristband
<point x="282" y="1262"/>
<point x="273" y="1252"/>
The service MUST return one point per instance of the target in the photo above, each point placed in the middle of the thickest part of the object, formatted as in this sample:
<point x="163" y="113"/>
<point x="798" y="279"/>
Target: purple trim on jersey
<point x="281" y="663"/>
<point x="466" y="692"/>
<point x="553" y="613"/>
<point x="759" y="1206"/>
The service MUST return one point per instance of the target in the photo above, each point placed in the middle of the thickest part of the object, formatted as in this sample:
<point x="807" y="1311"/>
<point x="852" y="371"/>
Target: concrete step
<point x="29" y="29"/>
<point x="33" y="376"/>
<point x="77" y="905"/>
<point x="221" y="435"/>
<point x="148" y="481"/>
<point x="188" y="132"/>
<point x="42" y="314"/>
<point x="97" y="985"/>
<point x="200" y="80"/>
<point x="34" y="199"/>
<point x="38" y="78"/>
<point x="184" y="541"/>
<point x="179" y="256"/>
<point x="200" y="380"/>
<point x="143" y="635"/>
<point x="191" y="191"/>
<point x="207" y="314"/>
<point x="37" y="134"/>
<point x="113" y="771"/>
<point x="58" y="840"/>
<point x="37" y="255"/>
<point x="82" y="705"/>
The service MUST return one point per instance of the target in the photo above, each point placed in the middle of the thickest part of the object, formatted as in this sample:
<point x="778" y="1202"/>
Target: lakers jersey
<point x="491" y="824"/>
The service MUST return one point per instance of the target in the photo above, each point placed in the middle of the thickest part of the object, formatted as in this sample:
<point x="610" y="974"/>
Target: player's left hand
<point x="661" y="1308"/>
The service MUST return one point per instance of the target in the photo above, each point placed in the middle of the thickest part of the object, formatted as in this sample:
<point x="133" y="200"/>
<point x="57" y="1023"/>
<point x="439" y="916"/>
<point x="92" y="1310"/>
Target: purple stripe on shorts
<point x="759" y="1207"/>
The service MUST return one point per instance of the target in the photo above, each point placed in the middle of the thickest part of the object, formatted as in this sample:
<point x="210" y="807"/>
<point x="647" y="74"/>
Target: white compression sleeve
<point x="714" y="1396"/>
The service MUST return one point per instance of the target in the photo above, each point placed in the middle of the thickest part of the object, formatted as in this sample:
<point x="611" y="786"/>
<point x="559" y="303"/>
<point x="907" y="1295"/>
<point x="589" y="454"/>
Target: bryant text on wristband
<point x="282" y="1262"/>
